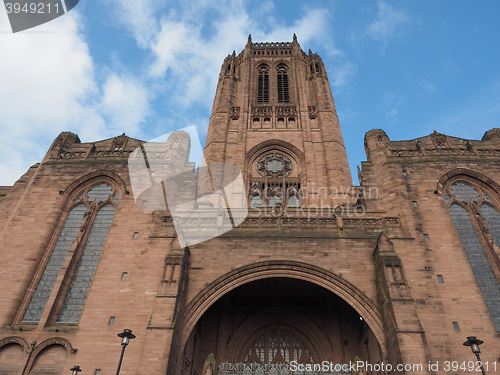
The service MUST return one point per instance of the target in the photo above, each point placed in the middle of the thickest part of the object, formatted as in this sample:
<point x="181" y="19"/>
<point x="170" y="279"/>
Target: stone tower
<point x="275" y="96"/>
<point x="394" y="273"/>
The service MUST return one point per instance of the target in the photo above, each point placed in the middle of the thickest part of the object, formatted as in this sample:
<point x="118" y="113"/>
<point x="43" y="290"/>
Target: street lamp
<point x="126" y="336"/>
<point x="76" y="369"/>
<point x="474" y="346"/>
<point x="367" y="340"/>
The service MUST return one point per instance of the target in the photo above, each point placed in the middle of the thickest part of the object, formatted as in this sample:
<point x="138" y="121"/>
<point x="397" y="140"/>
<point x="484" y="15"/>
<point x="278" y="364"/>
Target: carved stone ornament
<point x="274" y="165"/>
<point x="440" y="140"/>
<point x="119" y="142"/>
<point x="235" y="113"/>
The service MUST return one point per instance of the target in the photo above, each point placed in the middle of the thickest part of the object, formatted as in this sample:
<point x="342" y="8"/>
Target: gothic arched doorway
<point x="264" y="326"/>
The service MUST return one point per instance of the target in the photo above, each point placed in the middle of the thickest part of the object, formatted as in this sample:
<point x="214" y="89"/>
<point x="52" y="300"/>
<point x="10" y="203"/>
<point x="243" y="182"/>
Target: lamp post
<point x="126" y="336"/>
<point x="367" y="340"/>
<point x="76" y="369"/>
<point x="474" y="346"/>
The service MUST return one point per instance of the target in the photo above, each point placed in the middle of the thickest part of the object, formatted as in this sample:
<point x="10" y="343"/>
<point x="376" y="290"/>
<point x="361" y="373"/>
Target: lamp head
<point x="474" y="344"/>
<point x="126" y="336"/>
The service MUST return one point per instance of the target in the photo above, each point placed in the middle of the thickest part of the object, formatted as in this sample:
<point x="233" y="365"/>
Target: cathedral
<point x="308" y="275"/>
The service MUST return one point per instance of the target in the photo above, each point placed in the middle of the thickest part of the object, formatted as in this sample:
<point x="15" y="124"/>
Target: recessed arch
<point x="256" y="199"/>
<point x="275" y="198"/>
<point x="13" y="352"/>
<point x="263" y="63"/>
<point x="363" y="305"/>
<point x="276" y="145"/>
<point x="52" y="342"/>
<point x="282" y="62"/>
<point x="15" y="340"/>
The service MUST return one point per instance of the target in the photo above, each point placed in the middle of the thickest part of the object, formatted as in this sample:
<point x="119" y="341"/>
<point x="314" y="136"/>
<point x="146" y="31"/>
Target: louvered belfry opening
<point x="283" y="92"/>
<point x="263" y="91"/>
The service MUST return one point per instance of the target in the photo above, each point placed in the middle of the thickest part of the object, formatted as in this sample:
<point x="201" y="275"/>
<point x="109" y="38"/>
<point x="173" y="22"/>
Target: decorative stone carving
<point x="119" y="142"/>
<point x="235" y="113"/>
<point x="274" y="165"/>
<point x="440" y="140"/>
<point x="313" y="113"/>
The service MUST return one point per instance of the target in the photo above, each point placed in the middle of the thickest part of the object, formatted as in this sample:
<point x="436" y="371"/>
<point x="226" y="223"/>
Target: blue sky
<point x="148" y="67"/>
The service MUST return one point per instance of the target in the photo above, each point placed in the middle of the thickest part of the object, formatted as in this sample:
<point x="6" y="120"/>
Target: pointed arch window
<point x="82" y="239"/>
<point x="283" y="92"/>
<point x="293" y="201"/>
<point x="477" y="222"/>
<point x="256" y="202"/>
<point x="263" y="89"/>
<point x="275" y="200"/>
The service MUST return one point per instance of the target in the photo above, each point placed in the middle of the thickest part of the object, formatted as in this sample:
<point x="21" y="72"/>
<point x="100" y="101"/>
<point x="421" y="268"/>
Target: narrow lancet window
<point x="263" y="90"/>
<point x="283" y="93"/>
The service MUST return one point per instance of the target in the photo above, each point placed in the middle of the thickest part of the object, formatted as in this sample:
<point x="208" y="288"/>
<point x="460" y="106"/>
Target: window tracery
<point x="83" y="236"/>
<point x="477" y="222"/>
<point x="273" y="185"/>
<point x="278" y="346"/>
<point x="274" y="165"/>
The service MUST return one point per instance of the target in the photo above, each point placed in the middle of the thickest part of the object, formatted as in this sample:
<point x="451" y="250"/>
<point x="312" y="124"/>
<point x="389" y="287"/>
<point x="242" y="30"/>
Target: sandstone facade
<point x="391" y="271"/>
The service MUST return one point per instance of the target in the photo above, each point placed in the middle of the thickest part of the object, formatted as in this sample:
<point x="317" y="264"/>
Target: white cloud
<point x="47" y="77"/>
<point x="390" y="23"/>
<point x="42" y="73"/>
<point x="188" y="42"/>
<point x="174" y="42"/>
<point x="48" y="86"/>
<point x="124" y="103"/>
<point x="49" y="80"/>
<point x="138" y="17"/>
<point x="194" y="57"/>
<point x="311" y="26"/>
